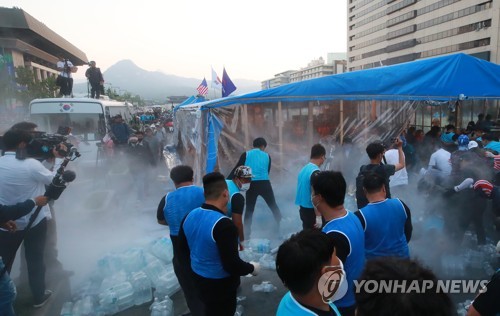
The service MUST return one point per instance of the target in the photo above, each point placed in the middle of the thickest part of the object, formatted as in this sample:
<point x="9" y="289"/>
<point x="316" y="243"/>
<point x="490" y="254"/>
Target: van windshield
<point x="86" y="126"/>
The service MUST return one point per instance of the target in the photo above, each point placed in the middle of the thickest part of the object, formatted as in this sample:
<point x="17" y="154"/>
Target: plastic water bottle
<point x="267" y="261"/>
<point x="162" y="248"/>
<point x="124" y="295"/>
<point x="239" y="310"/>
<point x="142" y="287"/>
<point x="67" y="309"/>
<point x="167" y="306"/>
<point x="265" y="287"/>
<point x="156" y="308"/>
<point x="133" y="260"/>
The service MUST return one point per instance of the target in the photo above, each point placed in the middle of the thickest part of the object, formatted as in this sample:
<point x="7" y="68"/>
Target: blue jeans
<point x="7" y="293"/>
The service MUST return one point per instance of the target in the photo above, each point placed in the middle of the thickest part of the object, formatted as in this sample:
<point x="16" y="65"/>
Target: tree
<point x="29" y="87"/>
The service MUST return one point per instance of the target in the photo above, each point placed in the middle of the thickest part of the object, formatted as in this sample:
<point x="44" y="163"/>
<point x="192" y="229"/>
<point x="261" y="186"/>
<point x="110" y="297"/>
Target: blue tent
<point x="191" y="100"/>
<point x="440" y="78"/>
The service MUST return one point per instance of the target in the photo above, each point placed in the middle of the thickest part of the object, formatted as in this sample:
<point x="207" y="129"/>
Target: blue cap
<point x="463" y="142"/>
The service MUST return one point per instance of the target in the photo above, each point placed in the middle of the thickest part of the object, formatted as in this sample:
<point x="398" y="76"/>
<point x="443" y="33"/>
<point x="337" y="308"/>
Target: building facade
<point x="279" y="79"/>
<point x="27" y="42"/>
<point x="335" y="64"/>
<point x="387" y="32"/>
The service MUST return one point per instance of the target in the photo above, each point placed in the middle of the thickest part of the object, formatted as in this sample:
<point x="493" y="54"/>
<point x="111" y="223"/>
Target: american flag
<point x="203" y="87"/>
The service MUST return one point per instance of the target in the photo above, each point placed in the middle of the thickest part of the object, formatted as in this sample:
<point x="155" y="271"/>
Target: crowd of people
<point x="456" y="171"/>
<point x="370" y="243"/>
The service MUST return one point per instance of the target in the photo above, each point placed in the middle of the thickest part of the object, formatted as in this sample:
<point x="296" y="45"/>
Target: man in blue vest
<point x="308" y="266"/>
<point x="209" y="240"/>
<point x="386" y="222"/>
<point x="240" y="183"/>
<point x="343" y="227"/>
<point x="171" y="211"/>
<point x="260" y="163"/>
<point x="303" y="195"/>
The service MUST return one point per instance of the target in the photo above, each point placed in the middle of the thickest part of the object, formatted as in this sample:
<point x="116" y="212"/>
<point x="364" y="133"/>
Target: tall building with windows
<point x="335" y="64"/>
<point x="386" y="32"/>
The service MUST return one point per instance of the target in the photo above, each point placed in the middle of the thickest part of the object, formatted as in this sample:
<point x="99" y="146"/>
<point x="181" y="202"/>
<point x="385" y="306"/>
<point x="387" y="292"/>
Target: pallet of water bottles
<point x="128" y="278"/>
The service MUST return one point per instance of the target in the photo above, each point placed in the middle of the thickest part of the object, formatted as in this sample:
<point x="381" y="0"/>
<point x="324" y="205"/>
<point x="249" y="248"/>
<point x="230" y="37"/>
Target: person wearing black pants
<point x="264" y="189"/>
<point x="260" y="163"/>
<point x="95" y="79"/>
<point x="208" y="242"/>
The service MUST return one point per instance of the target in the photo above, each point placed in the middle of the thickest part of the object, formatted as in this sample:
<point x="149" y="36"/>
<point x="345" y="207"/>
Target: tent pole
<point x="244" y="113"/>
<point x="341" y="122"/>
<point x="310" y="119"/>
<point x="280" y="133"/>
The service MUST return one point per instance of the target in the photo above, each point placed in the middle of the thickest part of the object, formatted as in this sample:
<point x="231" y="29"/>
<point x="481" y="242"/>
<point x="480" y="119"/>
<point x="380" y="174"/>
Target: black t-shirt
<point x="487" y="303"/>
<point x="342" y="245"/>
<point x="237" y="203"/>
<point x="160" y="215"/>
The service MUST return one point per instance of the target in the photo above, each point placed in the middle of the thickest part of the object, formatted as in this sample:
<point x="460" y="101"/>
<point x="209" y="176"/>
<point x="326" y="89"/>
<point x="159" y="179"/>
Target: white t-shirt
<point x="22" y="180"/>
<point x="60" y="64"/>
<point x="401" y="176"/>
<point x="440" y="161"/>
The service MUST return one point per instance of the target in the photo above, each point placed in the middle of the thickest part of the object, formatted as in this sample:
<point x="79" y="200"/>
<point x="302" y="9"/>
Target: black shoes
<point x="44" y="300"/>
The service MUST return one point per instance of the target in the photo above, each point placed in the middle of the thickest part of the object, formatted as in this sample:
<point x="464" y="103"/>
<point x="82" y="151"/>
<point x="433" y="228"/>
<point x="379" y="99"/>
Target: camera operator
<point x="96" y="80"/>
<point x="23" y="178"/>
<point x="10" y="213"/>
<point x="64" y="80"/>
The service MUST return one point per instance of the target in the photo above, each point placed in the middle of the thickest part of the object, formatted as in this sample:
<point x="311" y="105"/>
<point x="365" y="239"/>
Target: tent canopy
<point x="440" y="78"/>
<point x="189" y="101"/>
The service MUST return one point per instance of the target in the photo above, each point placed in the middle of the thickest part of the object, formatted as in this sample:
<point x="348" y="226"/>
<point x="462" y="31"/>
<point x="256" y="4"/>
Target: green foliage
<point x="32" y="88"/>
<point x="127" y="96"/>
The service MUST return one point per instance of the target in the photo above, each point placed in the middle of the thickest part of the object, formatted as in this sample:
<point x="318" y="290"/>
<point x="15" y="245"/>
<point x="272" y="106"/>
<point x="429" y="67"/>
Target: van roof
<point x="82" y="100"/>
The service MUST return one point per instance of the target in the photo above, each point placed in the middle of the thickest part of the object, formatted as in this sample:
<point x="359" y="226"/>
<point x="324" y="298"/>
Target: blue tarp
<point x="440" y="78"/>
<point x="191" y="100"/>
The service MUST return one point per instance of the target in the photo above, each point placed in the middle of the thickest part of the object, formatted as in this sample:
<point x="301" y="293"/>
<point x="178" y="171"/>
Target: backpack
<point x="364" y="170"/>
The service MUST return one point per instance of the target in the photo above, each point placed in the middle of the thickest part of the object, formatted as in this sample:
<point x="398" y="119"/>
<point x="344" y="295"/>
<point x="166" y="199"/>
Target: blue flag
<point x="227" y="85"/>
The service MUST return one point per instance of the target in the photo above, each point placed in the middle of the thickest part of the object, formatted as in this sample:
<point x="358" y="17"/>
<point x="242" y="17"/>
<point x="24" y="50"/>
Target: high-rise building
<point x="386" y="32"/>
<point x="335" y="64"/>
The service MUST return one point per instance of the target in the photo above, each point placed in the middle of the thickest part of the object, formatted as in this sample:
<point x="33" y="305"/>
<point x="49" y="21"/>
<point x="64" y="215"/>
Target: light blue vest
<point x="303" y="194"/>
<point x="233" y="189"/>
<point x="385" y="229"/>
<point x="258" y="161"/>
<point x="350" y="226"/>
<point x="205" y="257"/>
<point x="290" y="307"/>
<point x="180" y="202"/>
<point x="493" y="145"/>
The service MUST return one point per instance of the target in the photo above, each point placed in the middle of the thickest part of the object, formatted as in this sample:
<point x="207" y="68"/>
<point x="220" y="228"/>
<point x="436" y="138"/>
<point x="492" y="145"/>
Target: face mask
<point x="333" y="284"/>
<point x="245" y="187"/>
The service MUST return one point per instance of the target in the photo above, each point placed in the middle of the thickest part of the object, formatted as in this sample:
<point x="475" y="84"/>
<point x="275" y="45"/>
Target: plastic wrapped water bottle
<point x="163" y="308"/>
<point x="133" y="260"/>
<point x="162" y="248"/>
<point x="67" y="309"/>
<point x="142" y="287"/>
<point x="167" y="306"/>
<point x="155" y="269"/>
<point x="239" y="310"/>
<point x="167" y="283"/>
<point x="265" y="287"/>
<point x="120" y="296"/>
<point x="267" y="261"/>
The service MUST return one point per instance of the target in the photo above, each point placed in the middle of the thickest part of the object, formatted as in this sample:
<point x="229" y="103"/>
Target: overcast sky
<point x="254" y="40"/>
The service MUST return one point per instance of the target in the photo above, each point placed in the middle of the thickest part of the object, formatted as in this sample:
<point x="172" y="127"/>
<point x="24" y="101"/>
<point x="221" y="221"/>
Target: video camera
<point x="42" y="144"/>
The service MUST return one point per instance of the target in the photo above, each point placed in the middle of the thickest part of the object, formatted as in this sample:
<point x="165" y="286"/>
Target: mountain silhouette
<point x="157" y="85"/>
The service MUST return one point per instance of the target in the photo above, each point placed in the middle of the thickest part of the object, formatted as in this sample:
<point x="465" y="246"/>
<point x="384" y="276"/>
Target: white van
<point x="88" y="119"/>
